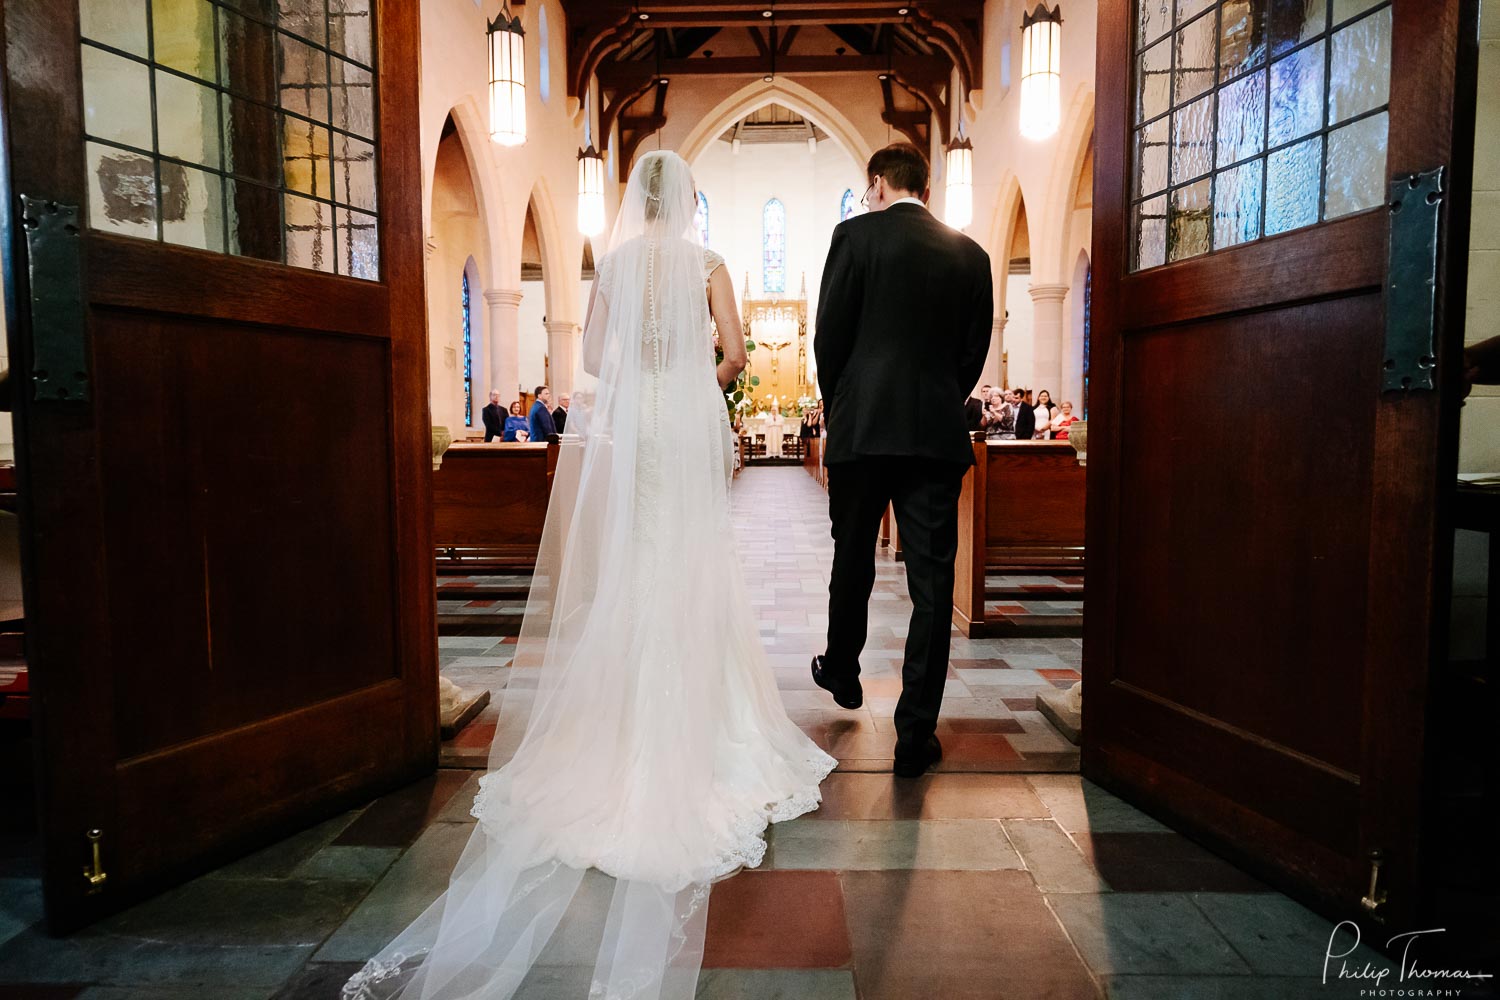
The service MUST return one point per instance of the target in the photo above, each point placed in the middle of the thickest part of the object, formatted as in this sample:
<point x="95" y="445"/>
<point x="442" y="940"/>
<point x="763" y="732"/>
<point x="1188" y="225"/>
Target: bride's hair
<point x="664" y="183"/>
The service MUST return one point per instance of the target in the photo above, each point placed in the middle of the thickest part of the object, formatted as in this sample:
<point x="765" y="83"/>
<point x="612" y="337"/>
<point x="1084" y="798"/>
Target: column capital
<point x="1047" y="293"/>
<point x="504" y="297"/>
<point x="561" y="327"/>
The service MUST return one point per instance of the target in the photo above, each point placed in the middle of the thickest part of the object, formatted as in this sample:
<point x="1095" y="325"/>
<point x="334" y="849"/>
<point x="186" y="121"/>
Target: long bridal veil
<point x="656" y="748"/>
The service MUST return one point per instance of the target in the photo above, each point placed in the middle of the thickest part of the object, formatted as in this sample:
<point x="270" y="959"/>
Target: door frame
<point x="1415" y="432"/>
<point x="54" y="562"/>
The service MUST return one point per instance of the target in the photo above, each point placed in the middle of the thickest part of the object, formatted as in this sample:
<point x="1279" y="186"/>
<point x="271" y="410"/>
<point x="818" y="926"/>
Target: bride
<point x="657" y="748"/>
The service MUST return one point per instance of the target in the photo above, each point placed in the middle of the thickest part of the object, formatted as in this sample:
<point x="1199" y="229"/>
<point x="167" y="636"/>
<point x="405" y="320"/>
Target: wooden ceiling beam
<point x="923" y="71"/>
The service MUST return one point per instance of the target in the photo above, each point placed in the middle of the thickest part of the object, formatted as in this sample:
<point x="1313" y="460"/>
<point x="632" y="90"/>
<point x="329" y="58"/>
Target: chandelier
<point x="1041" y="72"/>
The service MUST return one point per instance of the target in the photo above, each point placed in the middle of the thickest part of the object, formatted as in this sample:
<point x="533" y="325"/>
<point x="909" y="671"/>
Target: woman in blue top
<point x="515" y="422"/>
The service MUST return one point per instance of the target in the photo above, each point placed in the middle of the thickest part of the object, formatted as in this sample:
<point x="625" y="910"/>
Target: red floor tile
<point x="777" y="920"/>
<point x="959" y="936"/>
<point x="977" y="748"/>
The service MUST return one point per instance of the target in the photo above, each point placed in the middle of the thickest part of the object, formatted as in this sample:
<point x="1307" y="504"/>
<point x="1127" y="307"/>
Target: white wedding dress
<point x="657" y="748"/>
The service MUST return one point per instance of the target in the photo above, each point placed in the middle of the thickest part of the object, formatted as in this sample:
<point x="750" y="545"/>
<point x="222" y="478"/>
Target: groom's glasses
<point x="865" y="201"/>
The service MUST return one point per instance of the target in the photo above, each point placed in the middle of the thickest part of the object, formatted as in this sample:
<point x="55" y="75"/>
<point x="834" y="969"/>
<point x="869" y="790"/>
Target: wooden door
<point x="222" y="424"/>
<point x="1263" y="512"/>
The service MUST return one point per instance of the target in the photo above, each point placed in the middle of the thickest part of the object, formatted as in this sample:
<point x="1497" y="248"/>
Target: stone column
<point x="994" y="366"/>
<point x="1046" y="338"/>
<point x="562" y="353"/>
<point x="503" y="343"/>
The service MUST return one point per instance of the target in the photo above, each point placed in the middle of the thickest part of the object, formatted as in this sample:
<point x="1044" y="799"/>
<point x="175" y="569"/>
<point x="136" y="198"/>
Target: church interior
<point x="273" y="267"/>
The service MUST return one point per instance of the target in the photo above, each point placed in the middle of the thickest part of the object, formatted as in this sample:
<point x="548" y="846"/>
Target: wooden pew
<point x="489" y="503"/>
<point x="812" y="460"/>
<point x="1020" y="514"/>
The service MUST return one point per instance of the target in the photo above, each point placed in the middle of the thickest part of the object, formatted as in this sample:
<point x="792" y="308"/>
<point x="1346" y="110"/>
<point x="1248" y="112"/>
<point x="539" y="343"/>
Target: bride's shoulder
<point x="711" y="262"/>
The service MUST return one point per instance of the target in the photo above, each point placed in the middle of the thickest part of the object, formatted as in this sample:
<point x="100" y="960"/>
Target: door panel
<point x="231" y="617"/>
<point x="1264" y="517"/>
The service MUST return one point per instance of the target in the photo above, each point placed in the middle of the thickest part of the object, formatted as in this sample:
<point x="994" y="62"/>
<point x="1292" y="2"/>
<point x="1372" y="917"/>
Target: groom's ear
<point x="926" y="195"/>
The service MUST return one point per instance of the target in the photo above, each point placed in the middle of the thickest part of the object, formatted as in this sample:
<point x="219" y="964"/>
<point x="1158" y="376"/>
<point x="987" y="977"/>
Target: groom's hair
<point x="902" y="165"/>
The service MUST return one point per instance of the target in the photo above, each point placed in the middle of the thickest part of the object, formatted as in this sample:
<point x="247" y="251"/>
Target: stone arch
<point x="789" y="94"/>
<point x="1052" y="249"/>
<point x="555" y="260"/>
<point x="473" y="137"/>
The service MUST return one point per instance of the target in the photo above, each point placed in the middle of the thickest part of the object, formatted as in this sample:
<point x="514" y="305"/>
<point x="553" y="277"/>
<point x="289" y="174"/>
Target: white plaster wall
<point x="533" y="336"/>
<point x="1018" y="340"/>
<point x="1479" y="440"/>
<point x="810" y="185"/>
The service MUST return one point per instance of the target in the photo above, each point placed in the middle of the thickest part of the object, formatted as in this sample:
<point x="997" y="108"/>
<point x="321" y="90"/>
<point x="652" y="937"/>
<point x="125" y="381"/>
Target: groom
<point x="903" y="330"/>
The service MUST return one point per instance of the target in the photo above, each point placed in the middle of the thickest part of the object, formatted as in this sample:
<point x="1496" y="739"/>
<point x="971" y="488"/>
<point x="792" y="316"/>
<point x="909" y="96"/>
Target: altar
<point x="772" y="428"/>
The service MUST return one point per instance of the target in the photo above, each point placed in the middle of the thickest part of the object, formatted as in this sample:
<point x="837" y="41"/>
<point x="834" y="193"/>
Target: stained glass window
<point x="468" y="357"/>
<point x="773" y="247"/>
<point x="238" y="128"/>
<point x="1088" y="329"/>
<point x="700" y="219"/>
<point x="1253" y="119"/>
<point x="846" y="205"/>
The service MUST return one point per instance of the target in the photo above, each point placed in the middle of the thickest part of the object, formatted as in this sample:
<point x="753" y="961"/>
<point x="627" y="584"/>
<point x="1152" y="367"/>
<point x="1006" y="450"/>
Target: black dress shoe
<point x="846" y="694"/>
<point x="914" y="763"/>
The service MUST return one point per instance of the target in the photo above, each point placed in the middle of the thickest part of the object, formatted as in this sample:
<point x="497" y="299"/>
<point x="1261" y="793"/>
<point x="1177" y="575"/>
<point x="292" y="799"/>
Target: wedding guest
<point x="515" y="422"/>
<point x="494" y="417"/>
<point x="560" y="415"/>
<point x="1001" y="419"/>
<point x="1043" y="415"/>
<point x="540" y="423"/>
<point x="812" y="422"/>
<point x="1025" y="415"/>
<point x="1062" y="422"/>
<point x="976" y="409"/>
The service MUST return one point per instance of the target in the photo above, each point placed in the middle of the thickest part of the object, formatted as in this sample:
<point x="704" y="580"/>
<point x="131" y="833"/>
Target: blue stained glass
<point x="700" y="219"/>
<point x="468" y="357"/>
<point x="1088" y="333"/>
<point x="773" y="247"/>
<point x="846" y="205"/>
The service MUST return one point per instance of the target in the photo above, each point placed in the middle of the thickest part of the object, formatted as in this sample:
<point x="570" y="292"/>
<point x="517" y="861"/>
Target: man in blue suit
<point x="542" y="427"/>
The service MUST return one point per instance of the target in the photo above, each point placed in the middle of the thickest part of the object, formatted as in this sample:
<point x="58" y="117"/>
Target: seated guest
<point x="1025" y="415"/>
<point x="1045" y="411"/>
<point x="515" y="422"/>
<point x="560" y="415"/>
<point x="1062" y="422"/>
<point x="1000" y="419"/>
<point x="541" y="426"/>
<point x="494" y="417"/>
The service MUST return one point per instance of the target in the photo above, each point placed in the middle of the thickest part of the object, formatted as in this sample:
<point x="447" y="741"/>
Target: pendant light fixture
<point x="958" y="201"/>
<point x="590" y="191"/>
<point x="1041" y="72"/>
<point x="507" y="79"/>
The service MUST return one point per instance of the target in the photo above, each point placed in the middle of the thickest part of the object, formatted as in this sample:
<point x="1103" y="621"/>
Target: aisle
<point x="989" y="721"/>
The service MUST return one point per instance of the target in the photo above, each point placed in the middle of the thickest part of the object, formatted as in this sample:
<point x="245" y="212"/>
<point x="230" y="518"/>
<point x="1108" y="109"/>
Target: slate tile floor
<point x="989" y="722"/>
<point x="962" y="884"/>
<point x="958" y="885"/>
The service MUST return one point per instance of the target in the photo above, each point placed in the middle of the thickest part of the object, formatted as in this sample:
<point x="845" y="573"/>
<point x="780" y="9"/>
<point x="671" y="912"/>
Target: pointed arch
<point x="468" y="123"/>
<point x="559" y="291"/>
<point x="789" y="94"/>
<point x="1075" y="141"/>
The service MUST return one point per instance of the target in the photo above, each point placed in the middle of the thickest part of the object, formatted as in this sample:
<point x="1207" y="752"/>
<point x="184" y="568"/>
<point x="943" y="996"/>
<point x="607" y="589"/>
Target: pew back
<point x="489" y="502"/>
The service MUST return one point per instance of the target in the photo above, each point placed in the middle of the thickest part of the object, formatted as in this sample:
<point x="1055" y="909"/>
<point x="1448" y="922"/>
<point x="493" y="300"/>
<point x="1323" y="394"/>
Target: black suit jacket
<point x="560" y="419"/>
<point x="1025" y="422"/>
<point x="494" y="419"/>
<point x="903" y="330"/>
